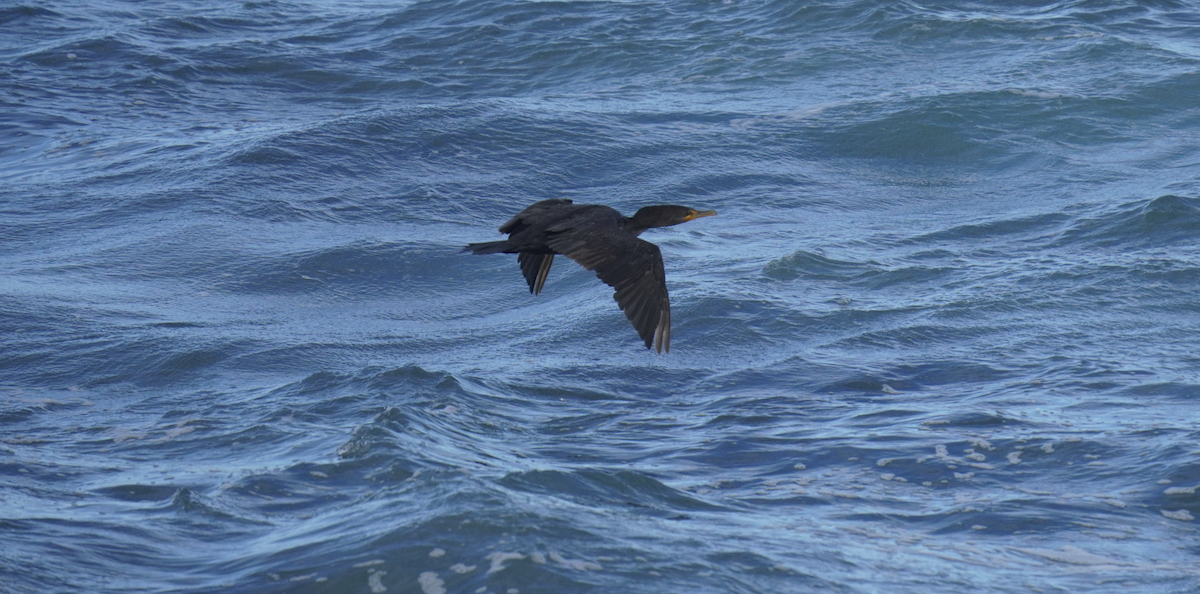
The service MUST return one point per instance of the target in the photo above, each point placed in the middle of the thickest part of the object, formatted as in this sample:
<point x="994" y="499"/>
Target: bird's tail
<point x="487" y="247"/>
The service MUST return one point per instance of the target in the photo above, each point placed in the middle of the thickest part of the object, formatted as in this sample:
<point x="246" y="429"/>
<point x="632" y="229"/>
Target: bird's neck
<point x="634" y="227"/>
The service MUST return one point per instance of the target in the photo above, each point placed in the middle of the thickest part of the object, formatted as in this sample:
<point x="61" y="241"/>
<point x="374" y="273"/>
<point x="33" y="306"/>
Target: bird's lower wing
<point x="634" y="269"/>
<point x="535" y="267"/>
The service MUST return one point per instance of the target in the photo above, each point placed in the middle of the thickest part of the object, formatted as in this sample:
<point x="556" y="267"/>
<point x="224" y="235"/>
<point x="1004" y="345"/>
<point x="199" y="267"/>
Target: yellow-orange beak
<point x="695" y="214"/>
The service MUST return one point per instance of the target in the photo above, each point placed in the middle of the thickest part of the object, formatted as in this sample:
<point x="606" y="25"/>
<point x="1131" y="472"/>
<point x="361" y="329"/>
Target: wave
<point x="1164" y="222"/>
<point x="610" y="488"/>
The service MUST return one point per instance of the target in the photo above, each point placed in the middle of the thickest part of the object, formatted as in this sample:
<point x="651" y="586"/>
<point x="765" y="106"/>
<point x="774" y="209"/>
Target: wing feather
<point x="535" y="267"/>
<point x="633" y="267"/>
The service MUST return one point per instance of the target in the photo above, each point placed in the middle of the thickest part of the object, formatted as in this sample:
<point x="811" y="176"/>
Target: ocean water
<point x="944" y="335"/>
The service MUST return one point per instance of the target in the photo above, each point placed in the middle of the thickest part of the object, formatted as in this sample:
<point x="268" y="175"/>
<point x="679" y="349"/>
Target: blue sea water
<point x="944" y="335"/>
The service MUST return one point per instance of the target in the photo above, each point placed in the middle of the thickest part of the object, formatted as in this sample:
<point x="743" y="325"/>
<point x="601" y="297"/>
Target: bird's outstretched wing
<point x="633" y="267"/>
<point x="535" y="267"/>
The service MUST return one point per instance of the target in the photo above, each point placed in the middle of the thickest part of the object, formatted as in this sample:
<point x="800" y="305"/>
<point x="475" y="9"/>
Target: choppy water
<point x="942" y="337"/>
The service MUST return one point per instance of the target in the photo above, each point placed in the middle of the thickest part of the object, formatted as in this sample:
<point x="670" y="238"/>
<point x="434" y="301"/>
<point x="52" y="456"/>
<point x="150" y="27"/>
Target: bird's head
<point x="665" y="215"/>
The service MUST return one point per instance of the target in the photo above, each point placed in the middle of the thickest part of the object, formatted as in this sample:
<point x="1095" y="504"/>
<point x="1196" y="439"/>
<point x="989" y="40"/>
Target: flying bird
<point x="602" y="240"/>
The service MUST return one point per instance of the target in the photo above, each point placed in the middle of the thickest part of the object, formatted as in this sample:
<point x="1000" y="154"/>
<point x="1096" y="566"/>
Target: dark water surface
<point x="943" y="336"/>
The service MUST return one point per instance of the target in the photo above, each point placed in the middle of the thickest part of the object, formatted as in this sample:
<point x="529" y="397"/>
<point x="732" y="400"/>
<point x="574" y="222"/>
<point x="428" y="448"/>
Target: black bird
<point x="599" y="239"/>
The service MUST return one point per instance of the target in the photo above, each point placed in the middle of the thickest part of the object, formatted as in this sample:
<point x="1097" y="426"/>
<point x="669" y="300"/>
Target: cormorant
<point x="599" y="238"/>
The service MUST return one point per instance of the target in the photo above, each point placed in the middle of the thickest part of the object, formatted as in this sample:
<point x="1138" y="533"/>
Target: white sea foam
<point x="498" y="560"/>
<point x="431" y="583"/>
<point x="1182" y="515"/>
<point x="980" y="442"/>
<point x="574" y="563"/>
<point x="375" y="581"/>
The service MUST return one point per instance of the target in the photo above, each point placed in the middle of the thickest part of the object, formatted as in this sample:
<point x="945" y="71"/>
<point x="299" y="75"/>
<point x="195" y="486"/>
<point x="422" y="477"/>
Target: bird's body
<point x="600" y="239"/>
